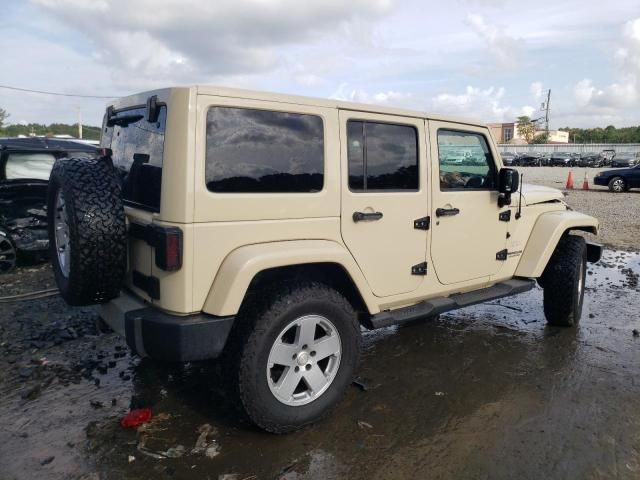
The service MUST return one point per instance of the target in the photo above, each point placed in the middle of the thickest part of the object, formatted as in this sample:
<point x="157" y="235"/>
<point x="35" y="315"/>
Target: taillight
<point x="166" y="241"/>
<point x="168" y="247"/>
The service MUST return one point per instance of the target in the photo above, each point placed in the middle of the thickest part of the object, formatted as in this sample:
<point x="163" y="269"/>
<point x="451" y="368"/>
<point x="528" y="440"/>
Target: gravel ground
<point x="619" y="213"/>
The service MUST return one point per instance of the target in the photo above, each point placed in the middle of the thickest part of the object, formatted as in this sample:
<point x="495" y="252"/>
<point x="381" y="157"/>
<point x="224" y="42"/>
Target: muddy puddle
<point x="485" y="392"/>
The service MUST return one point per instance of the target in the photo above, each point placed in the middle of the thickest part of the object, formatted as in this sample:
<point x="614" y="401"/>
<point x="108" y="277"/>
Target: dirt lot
<point x="485" y="392"/>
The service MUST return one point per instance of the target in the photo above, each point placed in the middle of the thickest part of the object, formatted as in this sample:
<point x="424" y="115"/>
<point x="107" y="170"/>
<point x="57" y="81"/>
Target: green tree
<point x="526" y="128"/>
<point x="541" y="138"/>
<point x="3" y="116"/>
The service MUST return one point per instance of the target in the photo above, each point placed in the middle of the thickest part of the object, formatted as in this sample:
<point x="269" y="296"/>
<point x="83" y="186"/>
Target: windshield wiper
<point x="124" y="120"/>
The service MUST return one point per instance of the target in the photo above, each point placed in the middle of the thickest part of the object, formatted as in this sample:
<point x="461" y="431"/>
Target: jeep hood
<point x="533" y="194"/>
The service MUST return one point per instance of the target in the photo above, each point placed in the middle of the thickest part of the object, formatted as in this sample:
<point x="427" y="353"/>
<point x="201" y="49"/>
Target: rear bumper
<point x="152" y="333"/>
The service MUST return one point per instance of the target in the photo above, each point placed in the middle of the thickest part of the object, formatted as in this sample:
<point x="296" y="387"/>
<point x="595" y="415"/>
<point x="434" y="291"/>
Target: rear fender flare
<point x="243" y="264"/>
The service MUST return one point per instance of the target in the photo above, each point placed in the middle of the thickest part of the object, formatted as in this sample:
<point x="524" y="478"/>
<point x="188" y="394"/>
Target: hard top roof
<point x="140" y="99"/>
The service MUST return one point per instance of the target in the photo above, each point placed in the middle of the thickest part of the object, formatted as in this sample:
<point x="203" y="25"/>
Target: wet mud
<point x="485" y="392"/>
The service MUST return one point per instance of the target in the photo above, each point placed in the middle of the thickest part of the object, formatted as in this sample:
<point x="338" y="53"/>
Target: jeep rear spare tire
<point x="87" y="230"/>
<point x="563" y="281"/>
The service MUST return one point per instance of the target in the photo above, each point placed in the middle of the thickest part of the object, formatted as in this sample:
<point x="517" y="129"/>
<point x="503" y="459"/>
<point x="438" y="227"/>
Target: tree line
<point x="608" y="134"/>
<point x="89" y="132"/>
<point x="531" y="132"/>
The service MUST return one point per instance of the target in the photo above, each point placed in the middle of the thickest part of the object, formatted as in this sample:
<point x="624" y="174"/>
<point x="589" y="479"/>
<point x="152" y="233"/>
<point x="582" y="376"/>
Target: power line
<point x="58" y="94"/>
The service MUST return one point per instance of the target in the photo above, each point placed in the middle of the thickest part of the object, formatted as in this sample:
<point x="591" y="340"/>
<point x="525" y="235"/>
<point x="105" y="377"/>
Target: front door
<point x="384" y="191"/>
<point x="467" y="231"/>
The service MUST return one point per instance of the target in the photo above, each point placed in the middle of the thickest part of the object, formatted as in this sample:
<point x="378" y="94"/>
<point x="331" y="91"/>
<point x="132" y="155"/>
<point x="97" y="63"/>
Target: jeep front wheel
<point x="297" y="357"/>
<point x="564" y="279"/>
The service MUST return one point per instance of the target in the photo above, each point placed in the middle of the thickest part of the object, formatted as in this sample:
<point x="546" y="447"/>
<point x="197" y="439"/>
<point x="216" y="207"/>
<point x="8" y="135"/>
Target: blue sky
<point x="487" y="59"/>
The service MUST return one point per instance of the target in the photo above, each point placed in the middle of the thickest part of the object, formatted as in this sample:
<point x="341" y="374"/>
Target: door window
<point x="465" y="161"/>
<point x="382" y="156"/>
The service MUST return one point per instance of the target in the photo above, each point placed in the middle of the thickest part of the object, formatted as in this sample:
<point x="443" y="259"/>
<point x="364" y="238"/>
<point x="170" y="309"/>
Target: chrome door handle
<point x="447" y="212"/>
<point x="366" y="217"/>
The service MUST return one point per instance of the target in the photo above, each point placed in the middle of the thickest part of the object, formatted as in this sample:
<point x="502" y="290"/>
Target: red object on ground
<point x="585" y="184"/>
<point x="135" y="418"/>
<point x="570" y="181"/>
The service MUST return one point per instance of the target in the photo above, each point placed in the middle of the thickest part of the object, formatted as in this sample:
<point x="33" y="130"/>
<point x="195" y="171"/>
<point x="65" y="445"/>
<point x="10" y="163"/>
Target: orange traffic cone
<point x="570" y="181"/>
<point x="585" y="184"/>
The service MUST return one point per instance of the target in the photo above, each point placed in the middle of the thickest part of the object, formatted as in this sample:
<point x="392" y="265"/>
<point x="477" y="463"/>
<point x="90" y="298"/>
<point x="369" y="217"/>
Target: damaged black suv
<point x="25" y="165"/>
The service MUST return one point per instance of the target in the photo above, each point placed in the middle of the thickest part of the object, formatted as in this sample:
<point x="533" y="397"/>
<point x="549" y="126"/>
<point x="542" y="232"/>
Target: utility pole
<point x="79" y="124"/>
<point x="546" y="118"/>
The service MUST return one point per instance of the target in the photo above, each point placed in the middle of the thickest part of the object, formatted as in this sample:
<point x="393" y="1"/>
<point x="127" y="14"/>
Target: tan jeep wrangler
<point x="269" y="229"/>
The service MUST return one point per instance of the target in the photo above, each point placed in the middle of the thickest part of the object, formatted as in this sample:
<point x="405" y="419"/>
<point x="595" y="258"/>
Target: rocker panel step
<point x="439" y="305"/>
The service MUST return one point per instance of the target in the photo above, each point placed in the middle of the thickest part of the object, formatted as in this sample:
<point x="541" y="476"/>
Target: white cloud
<point x="390" y="97"/>
<point x="487" y="105"/>
<point x="536" y="90"/>
<point x="624" y="93"/>
<point x="179" y="41"/>
<point x="504" y="48"/>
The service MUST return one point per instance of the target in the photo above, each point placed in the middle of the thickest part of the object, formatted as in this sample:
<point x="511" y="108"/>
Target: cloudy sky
<point x="488" y="59"/>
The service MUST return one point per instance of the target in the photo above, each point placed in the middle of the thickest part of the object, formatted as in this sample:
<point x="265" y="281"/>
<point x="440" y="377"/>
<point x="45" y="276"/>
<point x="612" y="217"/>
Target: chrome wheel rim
<point x="7" y="254"/>
<point x="580" y="280"/>
<point x="304" y="360"/>
<point x="618" y="185"/>
<point x="61" y="229"/>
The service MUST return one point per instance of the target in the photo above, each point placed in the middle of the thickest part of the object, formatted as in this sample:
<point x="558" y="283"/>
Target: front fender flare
<point x="243" y="264"/>
<point x="546" y="234"/>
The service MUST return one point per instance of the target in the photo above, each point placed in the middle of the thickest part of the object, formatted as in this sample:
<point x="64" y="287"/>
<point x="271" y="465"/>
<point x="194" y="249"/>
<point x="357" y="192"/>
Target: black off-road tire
<point x="564" y="281"/>
<point x="256" y="329"/>
<point x="92" y="195"/>
<point x="614" y="182"/>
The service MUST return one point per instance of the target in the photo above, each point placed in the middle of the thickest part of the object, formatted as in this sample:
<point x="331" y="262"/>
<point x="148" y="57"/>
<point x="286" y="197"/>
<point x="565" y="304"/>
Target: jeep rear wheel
<point x="297" y="355"/>
<point x="564" y="280"/>
<point x="87" y="231"/>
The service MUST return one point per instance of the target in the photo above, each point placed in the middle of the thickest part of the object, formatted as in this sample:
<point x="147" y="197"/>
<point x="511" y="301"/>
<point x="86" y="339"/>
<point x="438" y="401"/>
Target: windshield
<point x="138" y="150"/>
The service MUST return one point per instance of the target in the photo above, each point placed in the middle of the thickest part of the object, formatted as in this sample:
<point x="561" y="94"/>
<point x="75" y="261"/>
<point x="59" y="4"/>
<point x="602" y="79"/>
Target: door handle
<point x="366" y="217"/>
<point x="447" y="212"/>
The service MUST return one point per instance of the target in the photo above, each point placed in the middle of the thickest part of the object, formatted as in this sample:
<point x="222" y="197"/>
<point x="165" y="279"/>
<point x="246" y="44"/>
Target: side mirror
<point x="508" y="183"/>
<point x="153" y="109"/>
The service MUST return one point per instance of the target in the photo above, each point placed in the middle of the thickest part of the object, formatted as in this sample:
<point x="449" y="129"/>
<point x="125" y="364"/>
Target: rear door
<point x="467" y="232"/>
<point x="383" y="193"/>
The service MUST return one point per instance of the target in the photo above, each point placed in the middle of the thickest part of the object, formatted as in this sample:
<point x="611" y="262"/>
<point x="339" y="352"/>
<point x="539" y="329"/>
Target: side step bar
<point x="453" y="302"/>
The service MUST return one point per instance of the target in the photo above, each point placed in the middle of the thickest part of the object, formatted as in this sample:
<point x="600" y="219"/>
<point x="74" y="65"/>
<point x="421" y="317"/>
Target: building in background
<point x="508" y="133"/>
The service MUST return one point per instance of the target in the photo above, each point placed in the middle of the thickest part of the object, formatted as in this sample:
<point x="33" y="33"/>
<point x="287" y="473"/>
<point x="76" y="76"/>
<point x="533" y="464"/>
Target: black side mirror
<point x="153" y="109"/>
<point x="508" y="182"/>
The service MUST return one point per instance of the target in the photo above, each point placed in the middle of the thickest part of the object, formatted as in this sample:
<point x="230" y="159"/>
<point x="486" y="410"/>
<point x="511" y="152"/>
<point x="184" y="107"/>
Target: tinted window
<point x="465" y="161"/>
<point x="263" y="151"/>
<point x="138" y="151"/>
<point x="29" y="165"/>
<point x="382" y="156"/>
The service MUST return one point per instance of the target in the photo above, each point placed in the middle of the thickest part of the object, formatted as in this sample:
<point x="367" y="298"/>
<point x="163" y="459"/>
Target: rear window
<point x="262" y="151"/>
<point x="29" y="165"/>
<point x="138" y="150"/>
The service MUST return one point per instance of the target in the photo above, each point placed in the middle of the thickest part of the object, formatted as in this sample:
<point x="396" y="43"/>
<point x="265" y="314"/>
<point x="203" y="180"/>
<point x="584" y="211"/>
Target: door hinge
<point x="502" y="254"/>
<point x="419" y="269"/>
<point x="505" y="216"/>
<point x="422" y="223"/>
